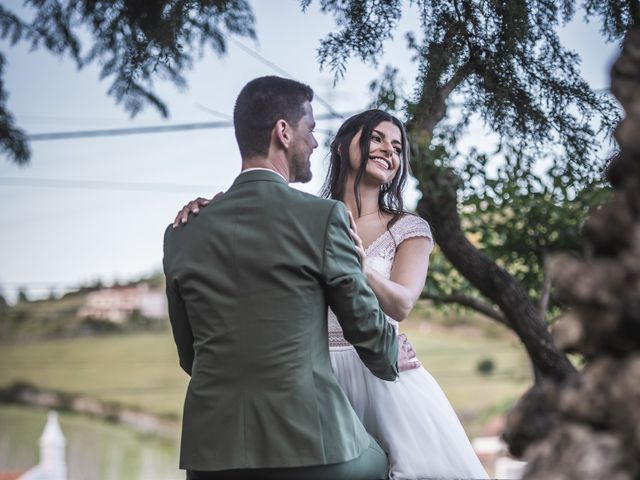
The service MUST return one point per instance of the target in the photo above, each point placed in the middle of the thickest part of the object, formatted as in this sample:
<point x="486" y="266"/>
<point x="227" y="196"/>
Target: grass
<point x="135" y="369"/>
<point x="142" y="368"/>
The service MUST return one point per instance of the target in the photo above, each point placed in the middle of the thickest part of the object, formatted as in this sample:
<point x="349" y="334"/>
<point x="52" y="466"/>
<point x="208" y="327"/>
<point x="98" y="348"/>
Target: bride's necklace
<point x="370" y="213"/>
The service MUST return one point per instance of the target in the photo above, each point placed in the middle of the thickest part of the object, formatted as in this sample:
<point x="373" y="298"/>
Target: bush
<point x="486" y="366"/>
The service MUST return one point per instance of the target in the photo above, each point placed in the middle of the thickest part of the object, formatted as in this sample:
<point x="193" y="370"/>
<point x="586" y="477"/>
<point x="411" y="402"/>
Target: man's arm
<point x="356" y="307"/>
<point x="180" y="325"/>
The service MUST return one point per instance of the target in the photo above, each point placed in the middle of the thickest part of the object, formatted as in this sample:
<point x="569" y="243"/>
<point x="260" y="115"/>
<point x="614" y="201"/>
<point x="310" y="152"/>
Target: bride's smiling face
<point x="385" y="153"/>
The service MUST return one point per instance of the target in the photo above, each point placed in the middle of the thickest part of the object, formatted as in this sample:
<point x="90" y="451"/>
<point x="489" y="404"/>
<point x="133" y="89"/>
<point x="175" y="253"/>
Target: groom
<point x="248" y="282"/>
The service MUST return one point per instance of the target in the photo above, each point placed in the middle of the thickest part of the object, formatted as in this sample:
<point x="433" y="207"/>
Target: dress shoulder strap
<point x="410" y="226"/>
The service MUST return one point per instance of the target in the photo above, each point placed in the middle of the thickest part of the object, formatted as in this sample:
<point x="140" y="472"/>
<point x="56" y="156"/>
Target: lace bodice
<point x="380" y="255"/>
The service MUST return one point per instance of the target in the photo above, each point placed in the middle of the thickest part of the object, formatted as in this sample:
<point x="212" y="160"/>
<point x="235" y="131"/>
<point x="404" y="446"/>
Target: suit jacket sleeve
<point x="363" y="323"/>
<point x="180" y="326"/>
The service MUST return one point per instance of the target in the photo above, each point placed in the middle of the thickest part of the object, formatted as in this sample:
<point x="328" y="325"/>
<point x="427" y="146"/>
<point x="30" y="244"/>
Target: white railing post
<point x="52" y="449"/>
<point x="53" y="465"/>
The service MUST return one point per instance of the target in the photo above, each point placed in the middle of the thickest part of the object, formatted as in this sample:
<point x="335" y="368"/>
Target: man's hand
<point x="407" y="359"/>
<point x="192" y="207"/>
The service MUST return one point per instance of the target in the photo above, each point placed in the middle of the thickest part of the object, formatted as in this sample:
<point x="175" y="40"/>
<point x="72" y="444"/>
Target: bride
<point x="410" y="418"/>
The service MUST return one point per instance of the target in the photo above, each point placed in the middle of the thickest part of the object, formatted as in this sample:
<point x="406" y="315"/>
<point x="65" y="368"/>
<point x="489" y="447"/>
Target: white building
<point x="116" y="304"/>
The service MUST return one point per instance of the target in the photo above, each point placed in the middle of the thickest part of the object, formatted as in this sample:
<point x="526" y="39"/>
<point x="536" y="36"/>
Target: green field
<point x="142" y="368"/>
<point x="135" y="369"/>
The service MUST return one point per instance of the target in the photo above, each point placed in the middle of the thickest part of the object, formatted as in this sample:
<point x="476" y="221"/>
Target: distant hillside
<point x="141" y="369"/>
<point x="91" y="310"/>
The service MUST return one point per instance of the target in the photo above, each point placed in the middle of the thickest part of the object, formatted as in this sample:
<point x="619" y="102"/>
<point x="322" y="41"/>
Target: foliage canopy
<point x="135" y="43"/>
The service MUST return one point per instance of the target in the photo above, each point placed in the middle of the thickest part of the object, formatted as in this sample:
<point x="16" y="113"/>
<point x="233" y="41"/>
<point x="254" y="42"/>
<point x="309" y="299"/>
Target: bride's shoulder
<point x="409" y="222"/>
<point x="410" y="226"/>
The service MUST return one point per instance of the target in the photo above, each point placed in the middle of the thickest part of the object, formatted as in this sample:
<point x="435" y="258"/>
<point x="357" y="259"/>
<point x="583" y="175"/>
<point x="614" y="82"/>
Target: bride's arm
<point x="398" y="294"/>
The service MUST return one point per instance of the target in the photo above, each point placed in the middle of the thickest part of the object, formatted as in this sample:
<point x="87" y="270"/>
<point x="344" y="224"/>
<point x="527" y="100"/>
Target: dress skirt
<point x="412" y="420"/>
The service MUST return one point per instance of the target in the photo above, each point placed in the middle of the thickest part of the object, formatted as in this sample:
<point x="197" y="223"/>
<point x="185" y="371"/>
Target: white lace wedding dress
<point x="411" y="418"/>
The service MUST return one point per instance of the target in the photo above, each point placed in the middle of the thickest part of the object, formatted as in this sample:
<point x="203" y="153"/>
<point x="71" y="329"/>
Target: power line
<point x="103" y="185"/>
<point x="283" y="72"/>
<point x="227" y="117"/>
<point x="112" y="132"/>
<point x="44" y="286"/>
<point x="190" y="126"/>
<point x="37" y="289"/>
<point x="34" y="137"/>
<point x="214" y="112"/>
<point x="38" y="282"/>
<point x="57" y="119"/>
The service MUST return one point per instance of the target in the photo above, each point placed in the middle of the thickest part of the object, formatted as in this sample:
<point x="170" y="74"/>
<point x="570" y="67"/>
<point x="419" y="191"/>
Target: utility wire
<point x="227" y="117"/>
<point x="103" y="185"/>
<point x="34" y="137"/>
<point x="38" y="282"/>
<point x="214" y="112"/>
<point x="272" y="65"/>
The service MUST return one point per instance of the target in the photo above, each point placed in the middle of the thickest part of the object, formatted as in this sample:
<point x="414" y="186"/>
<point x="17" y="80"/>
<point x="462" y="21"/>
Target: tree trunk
<point x="439" y="205"/>
<point x="523" y="315"/>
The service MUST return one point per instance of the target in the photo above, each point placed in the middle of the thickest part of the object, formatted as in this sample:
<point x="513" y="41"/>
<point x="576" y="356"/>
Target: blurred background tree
<point x="135" y="42"/>
<point x="22" y="295"/>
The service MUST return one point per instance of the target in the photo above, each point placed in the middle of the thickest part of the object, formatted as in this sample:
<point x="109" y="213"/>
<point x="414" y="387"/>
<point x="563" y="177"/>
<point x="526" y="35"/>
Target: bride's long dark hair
<point x="390" y="196"/>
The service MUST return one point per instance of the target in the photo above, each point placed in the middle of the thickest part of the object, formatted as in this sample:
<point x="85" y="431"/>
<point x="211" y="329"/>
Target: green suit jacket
<point x="249" y="280"/>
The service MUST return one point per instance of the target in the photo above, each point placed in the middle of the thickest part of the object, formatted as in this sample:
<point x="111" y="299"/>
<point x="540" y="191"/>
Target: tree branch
<point x="432" y="107"/>
<point x="469" y="302"/>
<point x="457" y="78"/>
<point x="523" y="315"/>
<point x="545" y="294"/>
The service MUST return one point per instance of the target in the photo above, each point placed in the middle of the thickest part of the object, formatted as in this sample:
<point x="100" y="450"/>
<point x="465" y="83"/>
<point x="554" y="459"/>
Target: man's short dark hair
<point x="261" y="103"/>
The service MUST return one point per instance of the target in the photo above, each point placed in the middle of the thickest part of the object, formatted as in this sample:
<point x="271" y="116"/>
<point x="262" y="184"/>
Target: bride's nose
<point x="386" y="147"/>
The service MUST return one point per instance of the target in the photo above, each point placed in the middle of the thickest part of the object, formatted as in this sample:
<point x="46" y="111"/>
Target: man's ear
<point x="282" y="132"/>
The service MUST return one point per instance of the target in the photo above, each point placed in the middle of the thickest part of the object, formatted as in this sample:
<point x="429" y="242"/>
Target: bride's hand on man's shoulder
<point x="192" y="207"/>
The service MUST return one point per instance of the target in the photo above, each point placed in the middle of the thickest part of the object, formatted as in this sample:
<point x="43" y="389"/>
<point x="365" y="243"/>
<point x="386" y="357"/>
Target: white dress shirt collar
<point x="267" y="169"/>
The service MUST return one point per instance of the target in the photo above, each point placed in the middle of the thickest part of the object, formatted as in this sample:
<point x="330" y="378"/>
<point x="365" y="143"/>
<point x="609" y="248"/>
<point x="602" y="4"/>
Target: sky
<point x="58" y="235"/>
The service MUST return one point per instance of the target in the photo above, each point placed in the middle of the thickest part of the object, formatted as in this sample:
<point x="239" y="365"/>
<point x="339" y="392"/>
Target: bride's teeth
<point x="383" y="163"/>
